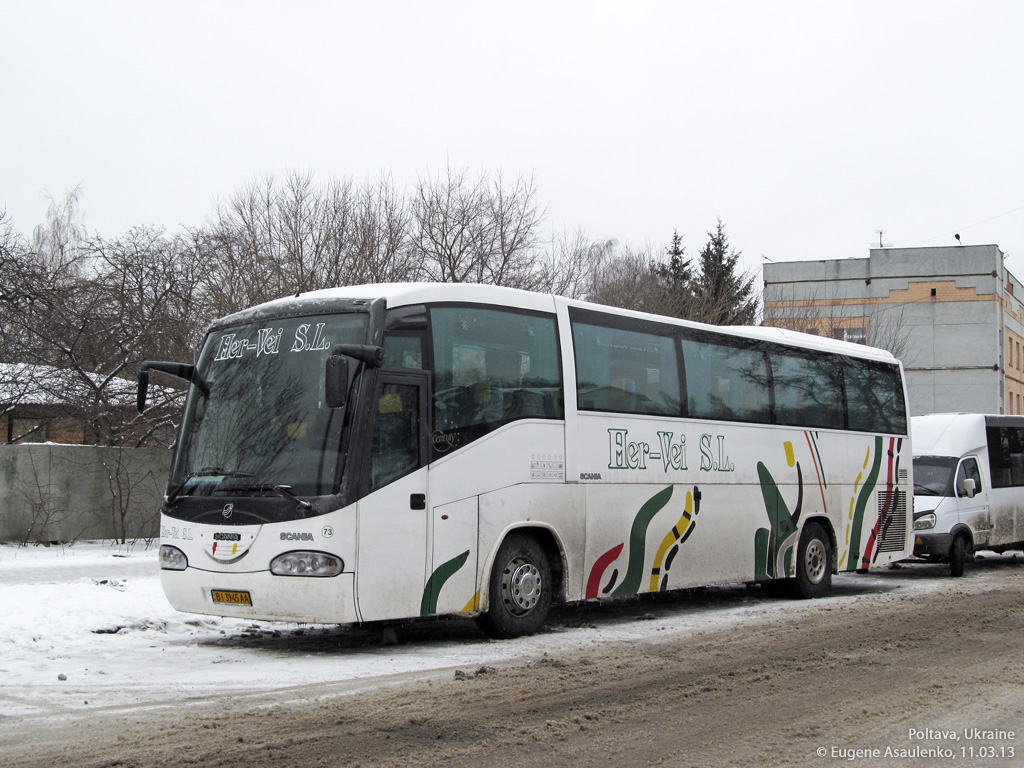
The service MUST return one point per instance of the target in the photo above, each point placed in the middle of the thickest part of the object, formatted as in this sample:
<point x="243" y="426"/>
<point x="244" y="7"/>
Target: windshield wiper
<point x="205" y="472"/>
<point x="284" y="490"/>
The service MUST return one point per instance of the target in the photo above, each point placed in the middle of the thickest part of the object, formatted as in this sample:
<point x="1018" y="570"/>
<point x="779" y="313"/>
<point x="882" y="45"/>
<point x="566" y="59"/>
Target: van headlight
<point x="306" y="564"/>
<point x="172" y="558"/>
<point x="924" y="522"/>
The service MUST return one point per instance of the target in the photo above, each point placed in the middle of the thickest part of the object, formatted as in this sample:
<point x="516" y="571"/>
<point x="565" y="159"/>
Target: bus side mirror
<point x="140" y="399"/>
<point x="336" y="382"/>
<point x="969" y="487"/>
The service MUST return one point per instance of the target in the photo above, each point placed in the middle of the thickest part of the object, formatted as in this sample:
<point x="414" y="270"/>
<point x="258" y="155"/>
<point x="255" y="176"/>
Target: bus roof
<point x="403" y="294"/>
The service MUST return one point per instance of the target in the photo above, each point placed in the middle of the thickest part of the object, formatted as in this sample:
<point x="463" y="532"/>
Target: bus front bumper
<point x="262" y="595"/>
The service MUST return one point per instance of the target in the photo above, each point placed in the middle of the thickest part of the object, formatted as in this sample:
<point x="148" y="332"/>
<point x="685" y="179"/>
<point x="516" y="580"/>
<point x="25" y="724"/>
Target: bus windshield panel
<point x="265" y="423"/>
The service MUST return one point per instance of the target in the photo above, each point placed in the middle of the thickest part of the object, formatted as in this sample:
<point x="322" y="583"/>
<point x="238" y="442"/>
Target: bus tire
<point x="958" y="556"/>
<point x="520" y="589"/>
<point x="814" y="562"/>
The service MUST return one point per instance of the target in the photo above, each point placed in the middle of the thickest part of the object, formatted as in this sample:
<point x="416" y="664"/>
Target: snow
<point x="27" y="384"/>
<point x="87" y="626"/>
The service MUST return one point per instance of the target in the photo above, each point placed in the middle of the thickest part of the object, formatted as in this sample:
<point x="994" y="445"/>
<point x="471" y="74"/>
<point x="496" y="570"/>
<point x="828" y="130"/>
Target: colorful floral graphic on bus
<point x="858" y="506"/>
<point x="887" y="514"/>
<point x="673" y="540"/>
<point x="775" y="546"/>
<point x="432" y="590"/>
<point x="663" y="559"/>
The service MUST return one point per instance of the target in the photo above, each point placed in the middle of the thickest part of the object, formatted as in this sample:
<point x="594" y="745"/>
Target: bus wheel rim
<point x="521" y="586"/>
<point x="814" y="561"/>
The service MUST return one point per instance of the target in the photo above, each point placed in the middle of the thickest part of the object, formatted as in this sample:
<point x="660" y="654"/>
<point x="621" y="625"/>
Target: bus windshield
<point x="264" y="425"/>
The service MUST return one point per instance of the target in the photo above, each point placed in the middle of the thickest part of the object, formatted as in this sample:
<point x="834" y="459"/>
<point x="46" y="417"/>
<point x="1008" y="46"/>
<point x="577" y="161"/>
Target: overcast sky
<point x="805" y="127"/>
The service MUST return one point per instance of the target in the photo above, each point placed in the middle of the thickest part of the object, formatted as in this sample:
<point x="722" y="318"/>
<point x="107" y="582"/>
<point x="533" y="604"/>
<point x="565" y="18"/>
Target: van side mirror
<point x="336" y="381"/>
<point x="969" y="487"/>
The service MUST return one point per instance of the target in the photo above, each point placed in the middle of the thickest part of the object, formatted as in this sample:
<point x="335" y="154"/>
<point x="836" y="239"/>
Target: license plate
<point x="231" y="598"/>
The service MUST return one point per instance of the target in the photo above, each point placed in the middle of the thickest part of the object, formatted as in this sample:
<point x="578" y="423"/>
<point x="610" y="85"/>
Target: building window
<point x="27" y="431"/>
<point x="855" y="335"/>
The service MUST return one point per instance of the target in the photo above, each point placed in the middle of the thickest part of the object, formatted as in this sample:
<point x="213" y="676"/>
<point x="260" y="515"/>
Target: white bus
<point x="405" y="450"/>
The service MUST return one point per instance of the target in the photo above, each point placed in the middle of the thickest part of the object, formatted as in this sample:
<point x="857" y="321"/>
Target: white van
<point x="968" y="485"/>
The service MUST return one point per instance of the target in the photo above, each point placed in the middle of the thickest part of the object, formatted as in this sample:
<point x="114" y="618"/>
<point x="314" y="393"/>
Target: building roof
<point x="26" y="384"/>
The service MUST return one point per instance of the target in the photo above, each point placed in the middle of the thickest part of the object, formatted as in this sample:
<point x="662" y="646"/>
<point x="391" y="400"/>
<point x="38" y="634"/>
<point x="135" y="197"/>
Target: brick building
<point x="44" y="404"/>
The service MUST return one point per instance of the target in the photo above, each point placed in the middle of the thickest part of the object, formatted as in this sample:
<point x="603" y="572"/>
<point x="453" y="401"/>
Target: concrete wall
<point x="54" y="492"/>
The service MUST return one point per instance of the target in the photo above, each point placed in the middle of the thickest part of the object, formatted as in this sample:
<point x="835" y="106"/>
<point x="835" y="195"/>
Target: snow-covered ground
<point x="87" y="626"/>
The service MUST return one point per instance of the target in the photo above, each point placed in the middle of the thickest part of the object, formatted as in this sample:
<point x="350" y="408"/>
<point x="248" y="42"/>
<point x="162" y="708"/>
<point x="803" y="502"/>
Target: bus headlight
<point x="924" y="522"/>
<point x="172" y="558"/>
<point x="306" y="564"/>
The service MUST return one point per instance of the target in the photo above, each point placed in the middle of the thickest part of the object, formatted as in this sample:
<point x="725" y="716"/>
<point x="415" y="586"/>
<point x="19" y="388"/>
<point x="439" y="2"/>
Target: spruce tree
<point x="677" y="279"/>
<point x="723" y="297"/>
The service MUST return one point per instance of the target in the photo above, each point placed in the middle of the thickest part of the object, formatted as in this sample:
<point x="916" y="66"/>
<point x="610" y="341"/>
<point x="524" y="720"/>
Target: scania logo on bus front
<point x="228" y="510"/>
<point x="301" y="536"/>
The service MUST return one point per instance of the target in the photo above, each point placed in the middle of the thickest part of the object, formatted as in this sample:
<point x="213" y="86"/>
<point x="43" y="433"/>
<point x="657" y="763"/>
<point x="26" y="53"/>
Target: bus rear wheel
<point x="814" y="562"/>
<point x="520" y="589"/>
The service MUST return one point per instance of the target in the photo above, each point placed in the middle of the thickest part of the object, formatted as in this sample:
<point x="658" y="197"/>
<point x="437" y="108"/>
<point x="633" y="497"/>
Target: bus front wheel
<point x="520" y="589"/>
<point x="814" y="562"/>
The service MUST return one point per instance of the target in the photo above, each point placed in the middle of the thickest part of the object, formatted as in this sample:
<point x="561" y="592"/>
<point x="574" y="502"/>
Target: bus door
<point x="392" y="527"/>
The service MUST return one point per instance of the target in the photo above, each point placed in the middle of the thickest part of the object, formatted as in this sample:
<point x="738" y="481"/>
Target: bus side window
<point x="491" y="367"/>
<point x="394" y="450"/>
<point x="808" y="391"/>
<point x="401" y="351"/>
<point x="626" y="369"/>
<point x="726" y="381"/>
<point x="874" y="397"/>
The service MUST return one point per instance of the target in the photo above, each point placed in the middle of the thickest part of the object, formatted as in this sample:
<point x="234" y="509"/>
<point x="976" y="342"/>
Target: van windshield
<point x="933" y="475"/>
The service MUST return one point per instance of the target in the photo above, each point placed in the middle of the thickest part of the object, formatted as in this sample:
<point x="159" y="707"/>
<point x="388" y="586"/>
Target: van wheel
<point x="958" y="556"/>
<point x="520" y="589"/>
<point x="814" y="562"/>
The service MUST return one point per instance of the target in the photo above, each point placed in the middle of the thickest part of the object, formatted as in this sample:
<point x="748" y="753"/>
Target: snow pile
<point x="88" y="625"/>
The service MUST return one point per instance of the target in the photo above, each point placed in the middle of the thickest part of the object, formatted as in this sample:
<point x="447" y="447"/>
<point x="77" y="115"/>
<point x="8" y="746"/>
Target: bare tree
<point x="86" y="312"/>
<point x="380" y="248"/>
<point x="568" y="266"/>
<point x="477" y="229"/>
<point x="836" y="316"/>
<point x="57" y="243"/>
<point x="271" y="239"/>
<point x="627" y="278"/>
<point x="510" y="241"/>
<point x="41" y="500"/>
